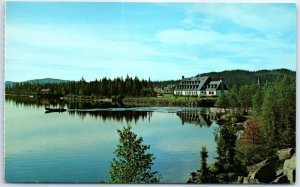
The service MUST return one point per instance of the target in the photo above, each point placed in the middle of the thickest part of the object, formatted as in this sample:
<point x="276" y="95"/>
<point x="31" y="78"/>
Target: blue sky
<point x="158" y="40"/>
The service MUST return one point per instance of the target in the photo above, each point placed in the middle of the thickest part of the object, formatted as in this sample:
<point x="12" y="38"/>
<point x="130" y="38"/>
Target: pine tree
<point x="225" y="165"/>
<point x="222" y="101"/>
<point x="132" y="164"/>
<point x="204" y="173"/>
<point x="233" y="97"/>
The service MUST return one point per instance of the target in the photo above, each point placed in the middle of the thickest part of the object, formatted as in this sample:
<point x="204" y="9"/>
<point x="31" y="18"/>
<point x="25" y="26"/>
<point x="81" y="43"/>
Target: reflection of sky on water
<point x="58" y="147"/>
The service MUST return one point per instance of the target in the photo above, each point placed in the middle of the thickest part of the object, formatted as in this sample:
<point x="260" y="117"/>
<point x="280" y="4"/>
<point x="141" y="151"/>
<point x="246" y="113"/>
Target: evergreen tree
<point x="257" y="100"/>
<point x="222" y="101"/>
<point x="132" y="164"/>
<point x="278" y="115"/>
<point x="204" y="173"/>
<point x="226" y="167"/>
<point x="233" y="97"/>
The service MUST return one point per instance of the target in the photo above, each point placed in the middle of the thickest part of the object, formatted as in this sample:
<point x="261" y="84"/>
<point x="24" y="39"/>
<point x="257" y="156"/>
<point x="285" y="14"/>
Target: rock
<point x="240" y="179"/>
<point x="280" y="169"/>
<point x="289" y="168"/>
<point x="283" y="179"/>
<point x="262" y="163"/>
<point x="253" y="181"/>
<point x="245" y="180"/>
<point x="284" y="154"/>
<point x="291" y="175"/>
<point x="279" y="173"/>
<point x="266" y="173"/>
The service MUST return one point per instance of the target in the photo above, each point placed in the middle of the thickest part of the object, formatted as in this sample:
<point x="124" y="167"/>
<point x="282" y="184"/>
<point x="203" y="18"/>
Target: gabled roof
<point x="202" y="82"/>
<point x="217" y="86"/>
<point x="200" y="86"/>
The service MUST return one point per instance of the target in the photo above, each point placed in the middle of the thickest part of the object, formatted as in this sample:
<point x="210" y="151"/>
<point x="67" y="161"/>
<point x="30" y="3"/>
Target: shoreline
<point x="136" y="101"/>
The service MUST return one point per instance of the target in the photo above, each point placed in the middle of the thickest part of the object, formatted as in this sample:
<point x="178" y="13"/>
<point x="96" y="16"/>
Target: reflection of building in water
<point x="127" y="116"/>
<point x="197" y="117"/>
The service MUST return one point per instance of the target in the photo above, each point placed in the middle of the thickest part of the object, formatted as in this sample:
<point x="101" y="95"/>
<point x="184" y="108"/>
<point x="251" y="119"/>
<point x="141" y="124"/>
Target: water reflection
<point x="59" y="147"/>
<point x="97" y="110"/>
<point x="92" y="105"/>
<point x="59" y="103"/>
<point x="196" y="117"/>
<point x="127" y="116"/>
<point x="35" y="101"/>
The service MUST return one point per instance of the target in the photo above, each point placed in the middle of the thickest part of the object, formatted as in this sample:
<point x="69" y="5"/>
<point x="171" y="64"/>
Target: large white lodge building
<point x="200" y="86"/>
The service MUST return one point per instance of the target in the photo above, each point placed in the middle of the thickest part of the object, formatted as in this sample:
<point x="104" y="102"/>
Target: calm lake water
<point x="78" y="145"/>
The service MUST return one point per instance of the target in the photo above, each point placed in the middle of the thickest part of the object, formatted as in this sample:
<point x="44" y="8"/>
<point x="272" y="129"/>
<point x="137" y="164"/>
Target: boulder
<point x="240" y="179"/>
<point x="283" y="179"/>
<point x="289" y="168"/>
<point x="245" y="180"/>
<point x="253" y="181"/>
<point x="279" y="173"/>
<point x="262" y="163"/>
<point x="284" y="154"/>
<point x="265" y="173"/>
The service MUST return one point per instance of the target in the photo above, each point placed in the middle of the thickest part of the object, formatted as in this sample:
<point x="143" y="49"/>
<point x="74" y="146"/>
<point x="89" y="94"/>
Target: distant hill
<point x="46" y="80"/>
<point x="39" y="81"/>
<point x="165" y="83"/>
<point x="239" y="77"/>
<point x="9" y="83"/>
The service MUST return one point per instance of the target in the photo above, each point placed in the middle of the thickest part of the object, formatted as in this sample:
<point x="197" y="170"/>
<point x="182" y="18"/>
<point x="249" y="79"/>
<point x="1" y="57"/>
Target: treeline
<point x="105" y="87"/>
<point x="241" y="77"/>
<point x="270" y="126"/>
<point x="272" y="122"/>
<point x="162" y="84"/>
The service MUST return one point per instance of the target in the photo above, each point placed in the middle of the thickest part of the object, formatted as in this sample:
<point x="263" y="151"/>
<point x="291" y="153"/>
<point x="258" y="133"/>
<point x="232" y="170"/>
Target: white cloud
<point x="76" y="41"/>
<point x="271" y="19"/>
<point x="96" y="50"/>
<point x="197" y="37"/>
<point x="32" y="46"/>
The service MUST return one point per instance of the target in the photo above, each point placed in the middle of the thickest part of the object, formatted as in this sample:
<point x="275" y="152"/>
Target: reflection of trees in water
<point x="127" y="116"/>
<point x="196" y="117"/>
<point x="83" y="109"/>
<point x="59" y="103"/>
<point x="93" y="105"/>
<point x="37" y="102"/>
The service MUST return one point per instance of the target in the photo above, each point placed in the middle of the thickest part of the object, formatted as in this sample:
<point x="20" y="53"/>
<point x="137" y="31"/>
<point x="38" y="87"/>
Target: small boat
<point x="55" y="109"/>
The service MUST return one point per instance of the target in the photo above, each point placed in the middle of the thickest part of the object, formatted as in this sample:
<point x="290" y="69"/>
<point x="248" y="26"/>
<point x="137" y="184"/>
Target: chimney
<point x="182" y="77"/>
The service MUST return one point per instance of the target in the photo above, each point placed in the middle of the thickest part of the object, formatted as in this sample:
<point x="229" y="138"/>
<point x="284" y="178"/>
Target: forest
<point x="241" y="77"/>
<point x="134" y="87"/>
<point x="102" y="88"/>
<point x="270" y="111"/>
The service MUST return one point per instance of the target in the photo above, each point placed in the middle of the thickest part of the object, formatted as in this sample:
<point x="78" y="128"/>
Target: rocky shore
<point x="280" y="169"/>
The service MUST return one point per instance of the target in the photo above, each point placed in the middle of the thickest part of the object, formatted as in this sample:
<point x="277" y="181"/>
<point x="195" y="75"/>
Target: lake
<point x="78" y="145"/>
